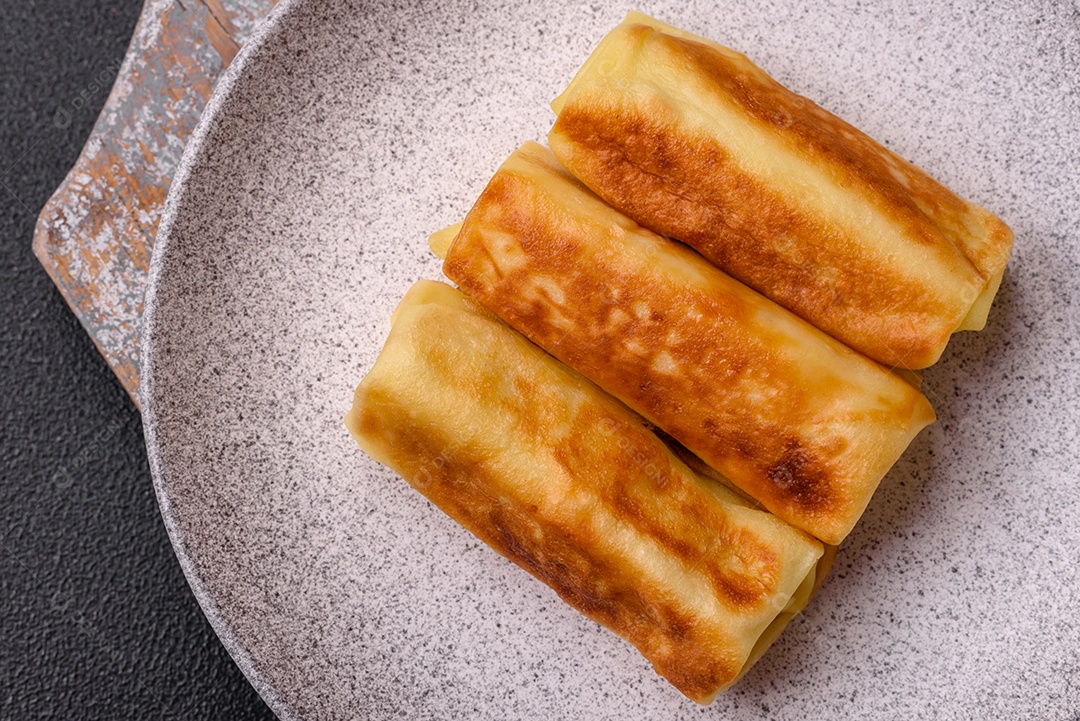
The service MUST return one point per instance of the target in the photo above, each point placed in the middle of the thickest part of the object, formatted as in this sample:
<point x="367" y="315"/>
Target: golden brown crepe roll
<point x="694" y="141"/>
<point x="796" y="419"/>
<point x="569" y="484"/>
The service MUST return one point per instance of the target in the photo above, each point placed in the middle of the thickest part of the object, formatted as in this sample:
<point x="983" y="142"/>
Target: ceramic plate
<point x="347" y="131"/>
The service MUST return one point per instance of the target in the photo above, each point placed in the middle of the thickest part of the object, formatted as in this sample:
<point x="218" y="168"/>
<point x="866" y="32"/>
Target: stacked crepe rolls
<point x="674" y="437"/>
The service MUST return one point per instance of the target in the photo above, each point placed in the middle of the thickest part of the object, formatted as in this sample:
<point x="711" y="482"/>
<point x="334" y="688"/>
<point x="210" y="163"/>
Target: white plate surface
<point x="347" y="131"/>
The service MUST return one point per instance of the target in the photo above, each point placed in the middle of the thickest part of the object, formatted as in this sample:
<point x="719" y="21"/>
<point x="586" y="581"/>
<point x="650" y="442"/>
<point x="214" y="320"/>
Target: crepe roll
<point x="569" y="484"/>
<point x="695" y="142"/>
<point x="797" y="420"/>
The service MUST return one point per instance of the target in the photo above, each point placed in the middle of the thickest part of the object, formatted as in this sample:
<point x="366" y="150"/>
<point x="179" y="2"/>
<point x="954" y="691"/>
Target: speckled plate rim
<point x="195" y="157"/>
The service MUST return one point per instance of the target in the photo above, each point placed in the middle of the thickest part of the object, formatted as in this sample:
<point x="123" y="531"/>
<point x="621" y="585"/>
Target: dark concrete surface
<point x="96" y="619"/>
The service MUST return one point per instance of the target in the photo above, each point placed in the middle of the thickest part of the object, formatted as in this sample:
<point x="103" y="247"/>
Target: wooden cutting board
<point x="96" y="233"/>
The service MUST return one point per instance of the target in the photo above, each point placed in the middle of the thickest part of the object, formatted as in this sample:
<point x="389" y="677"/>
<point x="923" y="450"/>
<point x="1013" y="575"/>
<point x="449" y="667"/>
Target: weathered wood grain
<point x="96" y="233"/>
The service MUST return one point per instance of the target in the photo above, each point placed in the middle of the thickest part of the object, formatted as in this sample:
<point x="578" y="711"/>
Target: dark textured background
<point x="96" y="619"/>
